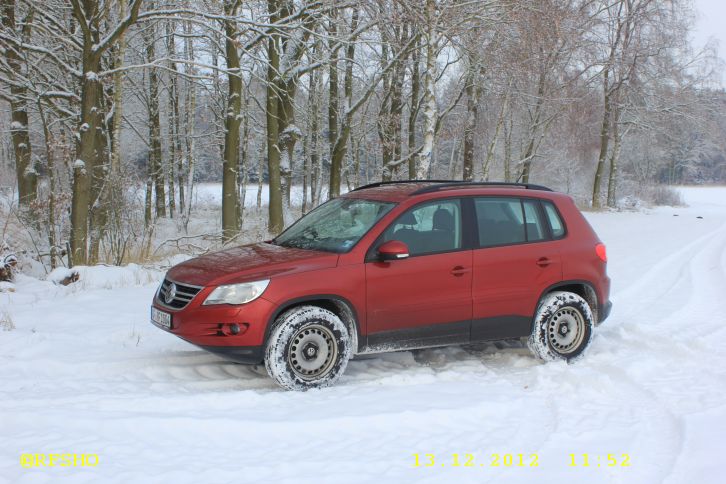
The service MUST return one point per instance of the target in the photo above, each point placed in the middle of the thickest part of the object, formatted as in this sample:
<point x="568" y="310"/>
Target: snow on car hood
<point x="249" y="263"/>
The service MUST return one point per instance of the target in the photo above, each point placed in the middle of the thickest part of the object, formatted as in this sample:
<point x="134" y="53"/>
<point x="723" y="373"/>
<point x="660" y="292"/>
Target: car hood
<point x="249" y="263"/>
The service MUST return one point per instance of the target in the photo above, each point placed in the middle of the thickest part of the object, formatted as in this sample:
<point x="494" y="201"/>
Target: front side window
<point x="428" y="228"/>
<point x="335" y="226"/>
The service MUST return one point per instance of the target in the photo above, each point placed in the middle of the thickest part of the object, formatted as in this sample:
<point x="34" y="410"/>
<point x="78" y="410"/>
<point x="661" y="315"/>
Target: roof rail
<point x="463" y="184"/>
<point x="442" y="184"/>
<point x="397" y="182"/>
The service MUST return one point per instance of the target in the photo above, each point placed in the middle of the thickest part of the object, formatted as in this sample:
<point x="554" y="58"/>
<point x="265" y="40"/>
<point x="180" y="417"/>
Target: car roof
<point x="397" y="191"/>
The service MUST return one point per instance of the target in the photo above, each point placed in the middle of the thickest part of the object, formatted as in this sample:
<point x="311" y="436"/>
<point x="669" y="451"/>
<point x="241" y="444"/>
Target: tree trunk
<point x="534" y="130"/>
<point x="430" y="109"/>
<point x="391" y="124"/>
<point x="100" y="199"/>
<point x="486" y="164"/>
<point x="275" y="222"/>
<point x="243" y="169"/>
<point x="413" y="112"/>
<point x="26" y="174"/>
<point x="310" y="145"/>
<point x="289" y="134"/>
<point x="50" y="166"/>
<point x="604" y="142"/>
<point x="148" y="202"/>
<point x="473" y="90"/>
<point x="91" y="121"/>
<point x="156" y="169"/>
<point x="316" y="161"/>
<point x="232" y="123"/>
<point x="190" y="110"/>
<point x="333" y="106"/>
<point x="260" y="175"/>
<point x="341" y="144"/>
<point x="384" y="124"/>
<point x="508" y="129"/>
<point x="614" y="157"/>
<point x="117" y="103"/>
<point x="173" y="119"/>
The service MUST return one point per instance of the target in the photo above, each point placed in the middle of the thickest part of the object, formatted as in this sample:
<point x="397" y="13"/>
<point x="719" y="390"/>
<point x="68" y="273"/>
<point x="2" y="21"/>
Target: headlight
<point x="237" y="293"/>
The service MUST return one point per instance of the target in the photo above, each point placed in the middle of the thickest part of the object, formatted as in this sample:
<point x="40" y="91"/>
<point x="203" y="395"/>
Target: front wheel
<point x="562" y="327"/>
<point x="309" y="347"/>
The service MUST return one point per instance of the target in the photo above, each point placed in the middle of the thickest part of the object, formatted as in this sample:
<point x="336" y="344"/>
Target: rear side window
<point x="533" y="219"/>
<point x="501" y="221"/>
<point x="506" y="221"/>
<point x="558" y="228"/>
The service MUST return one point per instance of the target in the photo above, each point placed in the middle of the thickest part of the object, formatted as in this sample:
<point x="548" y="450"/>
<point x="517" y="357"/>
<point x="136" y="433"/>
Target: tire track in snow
<point x="661" y="276"/>
<point x="693" y="280"/>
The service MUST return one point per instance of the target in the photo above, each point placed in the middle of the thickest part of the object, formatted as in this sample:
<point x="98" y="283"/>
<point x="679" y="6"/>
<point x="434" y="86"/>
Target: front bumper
<point x="208" y="326"/>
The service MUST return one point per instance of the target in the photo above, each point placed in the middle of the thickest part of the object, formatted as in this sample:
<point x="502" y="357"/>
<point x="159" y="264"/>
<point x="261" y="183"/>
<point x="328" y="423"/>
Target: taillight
<point x="601" y="252"/>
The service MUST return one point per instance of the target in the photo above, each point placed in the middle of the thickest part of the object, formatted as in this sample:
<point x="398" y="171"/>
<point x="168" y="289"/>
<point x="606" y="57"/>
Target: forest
<point x="115" y="113"/>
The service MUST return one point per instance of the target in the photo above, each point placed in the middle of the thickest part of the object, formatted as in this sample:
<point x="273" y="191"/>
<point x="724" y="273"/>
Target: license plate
<point x="160" y="318"/>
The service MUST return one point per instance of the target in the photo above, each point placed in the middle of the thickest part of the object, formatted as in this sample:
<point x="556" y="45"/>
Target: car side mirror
<point x="393" y="250"/>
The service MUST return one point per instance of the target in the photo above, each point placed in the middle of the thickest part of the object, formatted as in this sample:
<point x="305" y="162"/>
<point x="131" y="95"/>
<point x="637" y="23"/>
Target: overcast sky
<point x="710" y="23"/>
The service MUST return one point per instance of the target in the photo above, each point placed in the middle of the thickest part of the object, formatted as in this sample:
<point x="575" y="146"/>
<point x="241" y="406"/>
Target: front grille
<point x="182" y="294"/>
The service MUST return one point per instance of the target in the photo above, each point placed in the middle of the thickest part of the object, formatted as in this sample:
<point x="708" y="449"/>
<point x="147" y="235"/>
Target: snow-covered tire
<point x="562" y="327"/>
<point x="309" y="347"/>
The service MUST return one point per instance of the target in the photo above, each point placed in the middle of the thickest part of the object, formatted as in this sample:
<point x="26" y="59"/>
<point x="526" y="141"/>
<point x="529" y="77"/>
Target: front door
<point x="425" y="299"/>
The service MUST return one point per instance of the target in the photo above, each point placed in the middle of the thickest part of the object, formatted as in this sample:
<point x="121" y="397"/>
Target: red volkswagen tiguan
<point x="395" y="266"/>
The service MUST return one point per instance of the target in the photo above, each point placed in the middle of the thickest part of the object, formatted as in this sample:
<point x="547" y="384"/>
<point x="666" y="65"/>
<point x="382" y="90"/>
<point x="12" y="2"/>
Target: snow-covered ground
<point x="84" y="372"/>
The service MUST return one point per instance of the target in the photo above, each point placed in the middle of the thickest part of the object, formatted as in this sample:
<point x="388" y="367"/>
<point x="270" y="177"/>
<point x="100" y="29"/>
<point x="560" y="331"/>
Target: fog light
<point x="232" y="329"/>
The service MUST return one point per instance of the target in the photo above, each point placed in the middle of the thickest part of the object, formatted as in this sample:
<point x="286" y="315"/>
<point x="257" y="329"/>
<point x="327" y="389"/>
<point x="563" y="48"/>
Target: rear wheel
<point x="562" y="327"/>
<point x="309" y="347"/>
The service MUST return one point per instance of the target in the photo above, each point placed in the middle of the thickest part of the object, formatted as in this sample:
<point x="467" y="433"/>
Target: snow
<point x="59" y="274"/>
<point x="84" y="371"/>
<point x="292" y="130"/>
<point x="6" y="286"/>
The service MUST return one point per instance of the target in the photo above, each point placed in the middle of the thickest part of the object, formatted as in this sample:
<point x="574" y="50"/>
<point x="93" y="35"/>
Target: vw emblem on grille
<point x="170" y="293"/>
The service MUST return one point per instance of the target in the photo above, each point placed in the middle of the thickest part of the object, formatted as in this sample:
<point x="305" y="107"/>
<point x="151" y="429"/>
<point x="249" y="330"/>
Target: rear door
<point x="424" y="300"/>
<point x="514" y="261"/>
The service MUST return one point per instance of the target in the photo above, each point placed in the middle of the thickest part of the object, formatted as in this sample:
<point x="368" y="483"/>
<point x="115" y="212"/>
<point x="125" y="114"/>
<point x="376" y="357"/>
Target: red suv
<point x="395" y="266"/>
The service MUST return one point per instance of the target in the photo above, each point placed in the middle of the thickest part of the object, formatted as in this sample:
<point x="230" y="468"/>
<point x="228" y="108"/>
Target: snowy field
<point x="85" y="372"/>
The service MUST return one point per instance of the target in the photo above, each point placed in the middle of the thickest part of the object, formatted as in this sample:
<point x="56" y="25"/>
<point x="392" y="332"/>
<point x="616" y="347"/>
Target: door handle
<point x="543" y="262"/>
<point x="459" y="271"/>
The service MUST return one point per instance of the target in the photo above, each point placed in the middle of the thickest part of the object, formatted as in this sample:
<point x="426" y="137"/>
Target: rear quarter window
<point x="553" y="216"/>
<point x="536" y="228"/>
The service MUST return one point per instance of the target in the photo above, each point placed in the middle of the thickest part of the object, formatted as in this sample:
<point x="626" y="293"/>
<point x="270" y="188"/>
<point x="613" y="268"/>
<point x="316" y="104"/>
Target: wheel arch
<point x="584" y="289"/>
<point x="338" y="305"/>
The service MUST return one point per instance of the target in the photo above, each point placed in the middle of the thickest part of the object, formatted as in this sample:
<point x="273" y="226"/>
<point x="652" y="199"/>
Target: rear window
<point x="558" y="228"/>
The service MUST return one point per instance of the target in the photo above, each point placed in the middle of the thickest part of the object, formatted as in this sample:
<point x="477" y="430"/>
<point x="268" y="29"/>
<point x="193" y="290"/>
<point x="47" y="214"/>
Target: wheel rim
<point x="566" y="330"/>
<point x="313" y="352"/>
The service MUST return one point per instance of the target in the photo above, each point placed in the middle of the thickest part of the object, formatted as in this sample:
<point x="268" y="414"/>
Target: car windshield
<point x="335" y="226"/>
